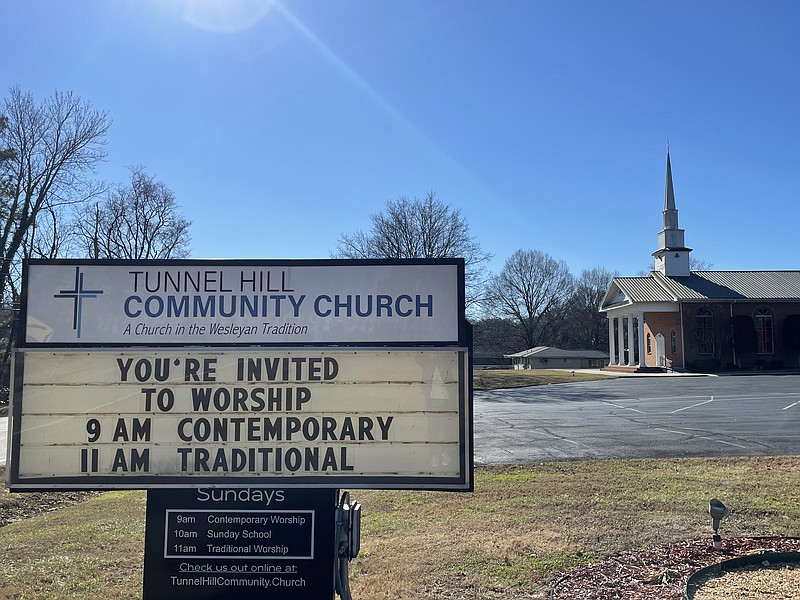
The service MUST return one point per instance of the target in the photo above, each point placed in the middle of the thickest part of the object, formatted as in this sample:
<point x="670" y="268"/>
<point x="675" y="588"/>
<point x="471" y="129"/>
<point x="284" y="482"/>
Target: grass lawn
<point x="521" y="527"/>
<point x="493" y="379"/>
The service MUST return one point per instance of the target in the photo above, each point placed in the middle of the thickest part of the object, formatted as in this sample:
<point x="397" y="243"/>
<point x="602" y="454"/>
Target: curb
<point x="698" y="577"/>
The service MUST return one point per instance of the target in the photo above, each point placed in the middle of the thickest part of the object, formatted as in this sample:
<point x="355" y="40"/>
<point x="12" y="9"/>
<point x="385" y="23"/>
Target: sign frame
<point x="462" y="481"/>
<point x="316" y="572"/>
<point x="460" y="341"/>
<point x="457" y="336"/>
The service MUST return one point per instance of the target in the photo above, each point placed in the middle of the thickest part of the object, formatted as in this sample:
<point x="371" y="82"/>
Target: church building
<point x="676" y="318"/>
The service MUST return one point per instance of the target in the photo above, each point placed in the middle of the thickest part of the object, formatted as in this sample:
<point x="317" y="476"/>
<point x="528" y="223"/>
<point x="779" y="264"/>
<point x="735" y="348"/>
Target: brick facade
<point x="665" y="324"/>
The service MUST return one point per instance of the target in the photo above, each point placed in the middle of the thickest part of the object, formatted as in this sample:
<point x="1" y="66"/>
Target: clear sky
<point x="282" y="125"/>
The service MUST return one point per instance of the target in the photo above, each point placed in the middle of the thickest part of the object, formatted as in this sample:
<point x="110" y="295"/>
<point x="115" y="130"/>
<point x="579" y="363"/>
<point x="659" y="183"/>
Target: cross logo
<point x="78" y="294"/>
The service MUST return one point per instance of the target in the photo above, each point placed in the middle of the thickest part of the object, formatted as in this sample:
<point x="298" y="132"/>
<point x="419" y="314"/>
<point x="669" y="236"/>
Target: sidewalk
<point x="644" y="374"/>
<point x="684" y="373"/>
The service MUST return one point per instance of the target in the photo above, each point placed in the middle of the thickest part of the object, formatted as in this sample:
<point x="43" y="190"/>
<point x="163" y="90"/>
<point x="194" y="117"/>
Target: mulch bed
<point x="660" y="573"/>
<point x="15" y="507"/>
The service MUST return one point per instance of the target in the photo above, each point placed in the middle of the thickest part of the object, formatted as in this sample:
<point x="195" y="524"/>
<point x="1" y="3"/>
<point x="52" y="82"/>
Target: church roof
<point x="734" y="285"/>
<point x="704" y="286"/>
<point x="642" y="289"/>
<point x="673" y="282"/>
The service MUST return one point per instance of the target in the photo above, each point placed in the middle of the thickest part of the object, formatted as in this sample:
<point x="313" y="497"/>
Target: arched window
<point x="673" y="342"/>
<point x="763" y="323"/>
<point x="704" y="331"/>
<point x="649" y="344"/>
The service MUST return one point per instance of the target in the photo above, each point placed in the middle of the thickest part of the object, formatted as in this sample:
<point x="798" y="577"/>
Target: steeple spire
<point x="670" y="212"/>
<point x="672" y="256"/>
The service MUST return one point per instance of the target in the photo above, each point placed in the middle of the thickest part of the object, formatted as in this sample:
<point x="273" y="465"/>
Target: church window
<point x="704" y="331"/>
<point x="673" y="342"/>
<point x="649" y="344"/>
<point x="764" y="332"/>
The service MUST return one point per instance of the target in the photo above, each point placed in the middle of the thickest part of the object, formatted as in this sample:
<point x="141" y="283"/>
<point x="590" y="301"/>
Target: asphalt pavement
<point x="640" y="417"/>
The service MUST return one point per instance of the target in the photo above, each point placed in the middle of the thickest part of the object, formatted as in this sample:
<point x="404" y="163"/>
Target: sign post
<point x="230" y="388"/>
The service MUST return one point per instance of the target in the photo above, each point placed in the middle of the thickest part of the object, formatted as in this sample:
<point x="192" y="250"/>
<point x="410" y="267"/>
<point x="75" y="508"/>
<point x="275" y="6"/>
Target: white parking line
<point x="775" y="395"/>
<point x="700" y="437"/>
<point x="641" y="412"/>
<point x="669" y="397"/>
<point x="764" y="396"/>
<point x="670" y="431"/>
<point x="721" y="442"/>
<point x="791" y="405"/>
<point x="692" y="406"/>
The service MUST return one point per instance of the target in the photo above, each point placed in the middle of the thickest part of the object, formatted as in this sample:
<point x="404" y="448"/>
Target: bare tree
<point x="426" y="228"/>
<point x="52" y="148"/>
<point x="700" y="264"/>
<point x="586" y="326"/>
<point x="139" y="220"/>
<point x="493" y="337"/>
<point x="532" y="289"/>
<point x="47" y="153"/>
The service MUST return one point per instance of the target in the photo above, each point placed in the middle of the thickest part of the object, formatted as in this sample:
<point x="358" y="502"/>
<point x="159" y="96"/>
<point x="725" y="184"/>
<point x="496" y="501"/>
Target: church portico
<point x="625" y="335"/>
<point x="632" y="339"/>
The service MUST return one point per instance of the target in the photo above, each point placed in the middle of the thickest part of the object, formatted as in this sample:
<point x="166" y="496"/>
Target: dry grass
<point x="494" y="379"/>
<point x="93" y="549"/>
<point x="521" y="527"/>
<point x="524" y="525"/>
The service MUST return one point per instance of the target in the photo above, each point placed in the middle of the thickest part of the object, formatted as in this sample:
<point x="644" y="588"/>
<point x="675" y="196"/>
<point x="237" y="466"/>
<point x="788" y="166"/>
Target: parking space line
<point x="641" y="412"/>
<point x="671" y="431"/>
<point x="692" y="406"/>
<point x="721" y="442"/>
<point x="649" y="398"/>
<point x="700" y="437"/>
<point x="791" y="405"/>
<point x="764" y="396"/>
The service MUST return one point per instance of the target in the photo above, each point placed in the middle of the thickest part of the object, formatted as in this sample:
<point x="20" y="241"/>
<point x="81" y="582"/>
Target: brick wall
<point x="665" y="324"/>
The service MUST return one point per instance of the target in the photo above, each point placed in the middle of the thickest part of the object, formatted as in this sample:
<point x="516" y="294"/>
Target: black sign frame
<point x="287" y="553"/>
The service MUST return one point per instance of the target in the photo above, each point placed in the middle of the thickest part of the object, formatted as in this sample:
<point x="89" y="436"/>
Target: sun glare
<point x="226" y="16"/>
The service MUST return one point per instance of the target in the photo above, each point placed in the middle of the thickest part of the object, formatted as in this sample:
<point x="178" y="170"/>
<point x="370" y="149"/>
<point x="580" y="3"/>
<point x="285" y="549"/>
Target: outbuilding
<point x="546" y="357"/>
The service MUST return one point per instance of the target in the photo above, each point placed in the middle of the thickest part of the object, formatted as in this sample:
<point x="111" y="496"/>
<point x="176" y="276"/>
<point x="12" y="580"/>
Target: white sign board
<point x="150" y="303"/>
<point x="146" y="418"/>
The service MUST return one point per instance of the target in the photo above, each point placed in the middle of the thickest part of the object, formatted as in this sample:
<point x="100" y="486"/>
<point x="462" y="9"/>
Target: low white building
<point x="546" y="357"/>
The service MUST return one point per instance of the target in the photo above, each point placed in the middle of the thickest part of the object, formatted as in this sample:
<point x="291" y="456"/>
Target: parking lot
<point x="640" y="418"/>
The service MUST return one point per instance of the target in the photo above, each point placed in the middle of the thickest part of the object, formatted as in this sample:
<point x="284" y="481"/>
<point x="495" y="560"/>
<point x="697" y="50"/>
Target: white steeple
<point x="672" y="256"/>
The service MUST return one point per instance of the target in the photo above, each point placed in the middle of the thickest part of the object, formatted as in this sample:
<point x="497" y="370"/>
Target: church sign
<point x="243" y="303"/>
<point x="182" y="374"/>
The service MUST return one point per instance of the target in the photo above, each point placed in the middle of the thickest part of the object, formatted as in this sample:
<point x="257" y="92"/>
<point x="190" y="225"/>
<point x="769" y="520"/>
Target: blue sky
<point x="282" y="125"/>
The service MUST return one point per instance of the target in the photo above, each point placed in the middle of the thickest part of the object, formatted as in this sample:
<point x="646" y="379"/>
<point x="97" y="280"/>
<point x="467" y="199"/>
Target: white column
<point x="630" y="340"/>
<point x="621" y="340"/>
<point x="640" y="321"/>
<point x="611" y="345"/>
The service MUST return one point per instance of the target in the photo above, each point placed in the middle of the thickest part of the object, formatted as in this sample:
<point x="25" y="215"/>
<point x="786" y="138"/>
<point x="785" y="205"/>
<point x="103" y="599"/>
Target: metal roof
<point x="550" y="352"/>
<point x="734" y="285"/>
<point x="704" y="286"/>
<point x="643" y="289"/>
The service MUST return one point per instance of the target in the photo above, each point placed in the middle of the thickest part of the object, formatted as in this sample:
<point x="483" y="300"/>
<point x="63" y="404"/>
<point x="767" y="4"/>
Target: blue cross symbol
<point x="78" y="294"/>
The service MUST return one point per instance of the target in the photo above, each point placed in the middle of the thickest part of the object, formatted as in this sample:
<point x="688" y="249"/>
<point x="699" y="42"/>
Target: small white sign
<point x="135" y="303"/>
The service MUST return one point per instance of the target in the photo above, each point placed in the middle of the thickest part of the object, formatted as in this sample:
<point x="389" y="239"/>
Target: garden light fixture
<point x="717" y="510"/>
